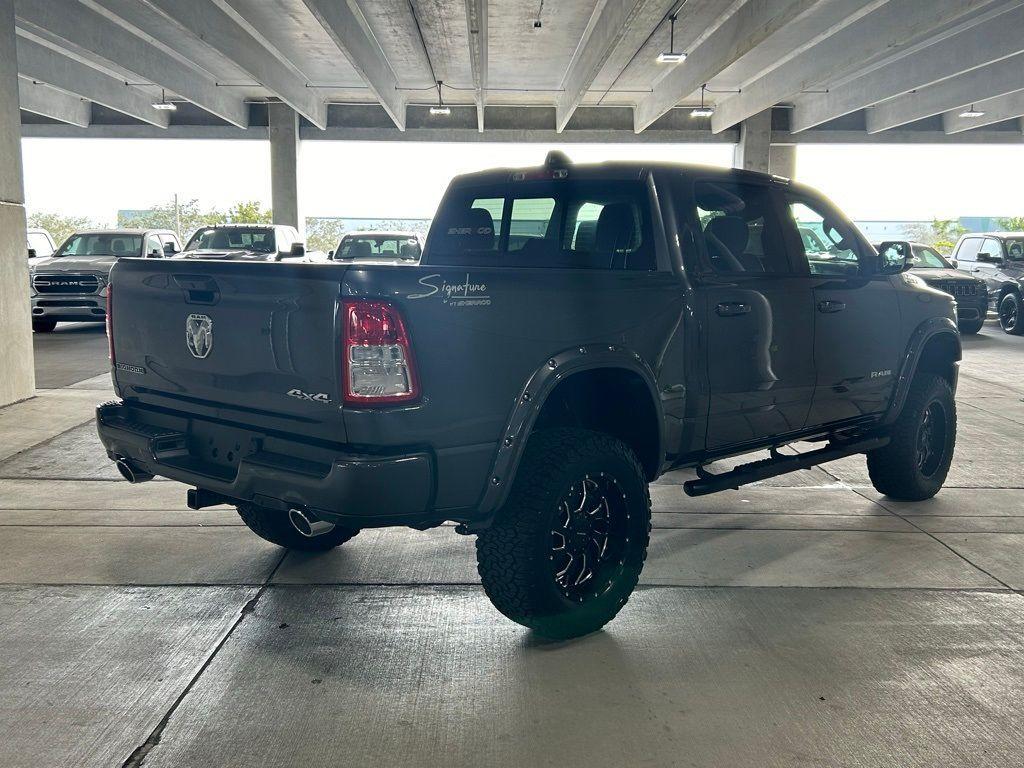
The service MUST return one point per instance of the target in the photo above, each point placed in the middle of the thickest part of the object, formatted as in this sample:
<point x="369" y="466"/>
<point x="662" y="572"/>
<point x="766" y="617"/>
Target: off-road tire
<point x="1011" y="314"/>
<point x="44" y="326"/>
<point x="515" y="557"/>
<point x="971" y="327"/>
<point x="895" y="469"/>
<point x="273" y="525"/>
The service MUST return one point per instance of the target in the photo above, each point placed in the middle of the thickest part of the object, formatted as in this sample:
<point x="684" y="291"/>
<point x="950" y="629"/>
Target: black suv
<point x="570" y="334"/>
<point x="971" y="293"/>
<point x="998" y="259"/>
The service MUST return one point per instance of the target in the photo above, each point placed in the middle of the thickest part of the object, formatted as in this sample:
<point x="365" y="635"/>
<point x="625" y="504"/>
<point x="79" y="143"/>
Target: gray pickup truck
<point x="571" y="333"/>
<point x="71" y="286"/>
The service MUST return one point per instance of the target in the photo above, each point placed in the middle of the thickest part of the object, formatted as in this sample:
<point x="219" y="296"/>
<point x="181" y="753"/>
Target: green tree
<point x="1012" y="223"/>
<point x="250" y="212"/>
<point x="162" y="216"/>
<point x="323" y="234"/>
<point x="59" y="226"/>
<point x="941" y="234"/>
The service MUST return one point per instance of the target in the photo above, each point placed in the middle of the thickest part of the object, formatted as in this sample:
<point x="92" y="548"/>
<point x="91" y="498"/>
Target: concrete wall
<point x="17" y="375"/>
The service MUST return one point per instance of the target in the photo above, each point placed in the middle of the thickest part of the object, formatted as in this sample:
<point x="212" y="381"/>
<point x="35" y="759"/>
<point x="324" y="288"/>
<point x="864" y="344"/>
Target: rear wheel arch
<point x="580" y="369"/>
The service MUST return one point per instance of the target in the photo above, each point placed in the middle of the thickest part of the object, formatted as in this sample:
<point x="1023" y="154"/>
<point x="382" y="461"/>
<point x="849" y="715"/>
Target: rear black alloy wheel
<point x="591" y="527"/>
<point x="1010" y="314"/>
<point x="566" y="550"/>
<point x="914" y="465"/>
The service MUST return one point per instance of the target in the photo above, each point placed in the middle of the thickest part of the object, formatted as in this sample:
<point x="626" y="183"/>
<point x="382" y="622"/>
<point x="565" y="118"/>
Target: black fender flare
<point x="925" y="332"/>
<point x="531" y="400"/>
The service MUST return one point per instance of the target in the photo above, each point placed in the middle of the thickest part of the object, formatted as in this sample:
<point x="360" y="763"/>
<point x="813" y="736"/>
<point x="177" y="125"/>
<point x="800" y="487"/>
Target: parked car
<point x="249" y="242"/>
<point x="71" y="286"/>
<point x="379" y="248"/>
<point x="571" y="333"/>
<point x="40" y="246"/>
<point x="998" y="259"/>
<point x="971" y="293"/>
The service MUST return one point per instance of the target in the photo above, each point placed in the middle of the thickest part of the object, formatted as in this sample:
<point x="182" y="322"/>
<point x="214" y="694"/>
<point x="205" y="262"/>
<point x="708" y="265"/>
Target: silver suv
<point x="71" y="286"/>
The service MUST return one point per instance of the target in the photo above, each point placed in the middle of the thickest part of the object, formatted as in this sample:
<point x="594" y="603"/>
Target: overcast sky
<point x="96" y="177"/>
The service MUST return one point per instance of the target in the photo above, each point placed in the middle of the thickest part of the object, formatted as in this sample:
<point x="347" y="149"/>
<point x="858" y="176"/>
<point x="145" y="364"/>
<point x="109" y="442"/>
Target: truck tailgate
<point x="245" y="342"/>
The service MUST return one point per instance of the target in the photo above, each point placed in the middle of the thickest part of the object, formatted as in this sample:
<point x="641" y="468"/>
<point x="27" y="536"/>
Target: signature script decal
<point x="464" y="294"/>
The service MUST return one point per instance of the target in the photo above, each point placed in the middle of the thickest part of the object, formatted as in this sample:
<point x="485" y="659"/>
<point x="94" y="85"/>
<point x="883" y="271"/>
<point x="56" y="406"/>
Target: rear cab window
<point x="564" y="223"/>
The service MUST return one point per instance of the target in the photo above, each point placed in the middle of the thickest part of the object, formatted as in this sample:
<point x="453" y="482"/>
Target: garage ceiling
<point x="833" y="70"/>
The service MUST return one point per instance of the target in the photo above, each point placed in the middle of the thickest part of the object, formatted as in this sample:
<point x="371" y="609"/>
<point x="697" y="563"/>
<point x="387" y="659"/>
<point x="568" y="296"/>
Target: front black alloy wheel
<point x="566" y="550"/>
<point x="1010" y="314"/>
<point x="914" y="465"/>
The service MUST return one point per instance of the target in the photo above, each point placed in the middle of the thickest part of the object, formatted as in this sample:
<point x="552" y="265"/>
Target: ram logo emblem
<point x="199" y="335"/>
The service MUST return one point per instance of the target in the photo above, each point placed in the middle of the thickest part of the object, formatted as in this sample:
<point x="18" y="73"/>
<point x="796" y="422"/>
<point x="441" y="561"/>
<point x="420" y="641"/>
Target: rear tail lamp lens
<point x="378" y="366"/>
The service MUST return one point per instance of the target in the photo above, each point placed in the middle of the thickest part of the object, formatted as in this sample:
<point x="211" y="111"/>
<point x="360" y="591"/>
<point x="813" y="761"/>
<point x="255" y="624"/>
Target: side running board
<point x="777" y="464"/>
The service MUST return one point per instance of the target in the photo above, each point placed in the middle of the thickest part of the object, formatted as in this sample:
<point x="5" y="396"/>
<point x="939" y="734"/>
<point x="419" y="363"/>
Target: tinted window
<point x="740" y="228"/>
<point x="991" y="250"/>
<point x="968" y="249"/>
<point x="928" y="258"/>
<point x="566" y="223"/>
<point x="259" y="239"/>
<point x="103" y="244"/>
<point x="358" y="247"/>
<point x="834" y="248"/>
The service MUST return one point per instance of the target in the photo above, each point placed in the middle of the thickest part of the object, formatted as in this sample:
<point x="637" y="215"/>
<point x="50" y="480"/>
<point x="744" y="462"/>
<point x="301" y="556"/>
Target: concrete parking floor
<point x="803" y="622"/>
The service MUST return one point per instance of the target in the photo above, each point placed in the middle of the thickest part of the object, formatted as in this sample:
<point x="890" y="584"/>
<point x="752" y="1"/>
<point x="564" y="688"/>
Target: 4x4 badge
<point x="199" y="335"/>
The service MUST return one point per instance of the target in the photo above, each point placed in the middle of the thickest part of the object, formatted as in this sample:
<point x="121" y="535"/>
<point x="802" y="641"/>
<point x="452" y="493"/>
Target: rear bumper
<point x="357" y="489"/>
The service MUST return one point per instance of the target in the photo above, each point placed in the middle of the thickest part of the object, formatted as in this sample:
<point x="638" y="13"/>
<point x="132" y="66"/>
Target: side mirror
<point x="298" y="249"/>
<point x="955" y="263"/>
<point x="330" y="254"/>
<point x="894" y="259"/>
<point x="170" y="249"/>
<point x="31" y="253"/>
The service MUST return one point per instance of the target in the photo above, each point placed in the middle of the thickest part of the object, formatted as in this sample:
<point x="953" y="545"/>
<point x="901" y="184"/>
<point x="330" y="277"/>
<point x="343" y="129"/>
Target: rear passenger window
<point x="556" y="224"/>
<point x="740" y="229"/>
<point x="531" y="220"/>
<point x="829" y="243"/>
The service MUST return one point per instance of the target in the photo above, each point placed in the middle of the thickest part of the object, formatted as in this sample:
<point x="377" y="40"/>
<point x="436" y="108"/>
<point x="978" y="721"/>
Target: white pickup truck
<point x="71" y="286"/>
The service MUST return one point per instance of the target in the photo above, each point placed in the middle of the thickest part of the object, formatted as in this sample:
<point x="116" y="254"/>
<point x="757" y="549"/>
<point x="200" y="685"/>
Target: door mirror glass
<point x="298" y="249"/>
<point x="31" y="253"/>
<point x="330" y="254"/>
<point x="955" y="263"/>
<point x="170" y="249"/>
<point x="894" y="258"/>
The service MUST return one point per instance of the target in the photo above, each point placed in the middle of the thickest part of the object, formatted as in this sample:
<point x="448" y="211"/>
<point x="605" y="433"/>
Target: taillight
<point x="110" y="323"/>
<point x="377" y="358"/>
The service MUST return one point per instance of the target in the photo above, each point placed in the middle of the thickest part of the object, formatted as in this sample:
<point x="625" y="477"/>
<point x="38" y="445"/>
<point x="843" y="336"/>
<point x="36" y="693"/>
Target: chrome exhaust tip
<point x="308" y="524"/>
<point x="130" y="472"/>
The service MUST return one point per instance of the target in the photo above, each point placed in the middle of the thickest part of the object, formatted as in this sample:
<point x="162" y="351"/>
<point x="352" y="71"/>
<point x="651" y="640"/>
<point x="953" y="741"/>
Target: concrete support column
<point x="782" y="160"/>
<point x="284" y="165"/>
<point x="17" y="374"/>
<point x="752" y="151"/>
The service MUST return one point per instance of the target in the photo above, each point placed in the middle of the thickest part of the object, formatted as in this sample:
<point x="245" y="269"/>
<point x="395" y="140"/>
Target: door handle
<point x="732" y="309"/>
<point x="831" y="306"/>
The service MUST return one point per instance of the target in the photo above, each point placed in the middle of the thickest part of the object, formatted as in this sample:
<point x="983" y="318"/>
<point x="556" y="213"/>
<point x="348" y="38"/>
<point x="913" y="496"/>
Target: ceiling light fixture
<point x="703" y="110"/>
<point x="972" y="112"/>
<point x="164" y="103"/>
<point x="671" y="56"/>
<point x="440" y="108"/>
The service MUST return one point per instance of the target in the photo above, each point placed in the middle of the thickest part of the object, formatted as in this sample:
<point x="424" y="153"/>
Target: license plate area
<point x="214" y="445"/>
